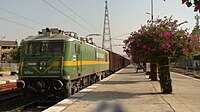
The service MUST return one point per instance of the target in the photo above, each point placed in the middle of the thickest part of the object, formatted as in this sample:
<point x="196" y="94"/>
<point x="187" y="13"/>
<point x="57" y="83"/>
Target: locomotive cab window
<point x="56" y="48"/>
<point x="44" y="48"/>
<point x="33" y="48"/>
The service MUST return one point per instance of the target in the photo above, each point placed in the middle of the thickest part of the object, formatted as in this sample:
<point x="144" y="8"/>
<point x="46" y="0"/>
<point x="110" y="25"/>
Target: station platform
<point x="7" y="78"/>
<point x="127" y="91"/>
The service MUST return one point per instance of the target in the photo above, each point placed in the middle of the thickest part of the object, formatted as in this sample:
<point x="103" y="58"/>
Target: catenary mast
<point x="106" y="44"/>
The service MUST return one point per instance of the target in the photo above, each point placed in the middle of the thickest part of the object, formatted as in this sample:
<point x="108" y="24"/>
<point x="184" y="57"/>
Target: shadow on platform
<point x="113" y="95"/>
<point x="129" y="67"/>
<point x="123" y="82"/>
<point x="125" y="73"/>
<point x="139" y="72"/>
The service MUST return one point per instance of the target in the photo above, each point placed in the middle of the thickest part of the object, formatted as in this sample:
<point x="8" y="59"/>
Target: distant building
<point x="5" y="49"/>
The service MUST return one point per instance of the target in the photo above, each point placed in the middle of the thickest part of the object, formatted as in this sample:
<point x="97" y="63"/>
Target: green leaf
<point x="195" y="2"/>
<point x="189" y="4"/>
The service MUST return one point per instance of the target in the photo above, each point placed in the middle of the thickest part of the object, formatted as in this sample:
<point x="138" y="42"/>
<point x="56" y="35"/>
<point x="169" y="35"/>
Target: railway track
<point x="8" y="86"/>
<point x="13" y="101"/>
<point x="9" y="94"/>
<point x="10" y="99"/>
<point x="36" y="106"/>
<point x="32" y="106"/>
<point x="20" y="108"/>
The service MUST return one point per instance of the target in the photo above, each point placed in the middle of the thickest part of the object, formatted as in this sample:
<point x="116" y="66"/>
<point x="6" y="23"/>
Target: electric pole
<point x="106" y="44"/>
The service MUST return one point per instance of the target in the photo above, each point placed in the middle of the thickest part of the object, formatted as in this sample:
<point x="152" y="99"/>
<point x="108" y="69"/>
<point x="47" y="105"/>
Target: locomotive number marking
<point x="53" y="72"/>
<point x="28" y="72"/>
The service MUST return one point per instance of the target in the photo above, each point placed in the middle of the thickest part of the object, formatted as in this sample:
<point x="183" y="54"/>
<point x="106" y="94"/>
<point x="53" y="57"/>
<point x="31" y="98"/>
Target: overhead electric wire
<point x="18" y="23"/>
<point x="22" y="17"/>
<point x="77" y="15"/>
<point x="120" y="35"/>
<point x="117" y="39"/>
<point x="66" y="15"/>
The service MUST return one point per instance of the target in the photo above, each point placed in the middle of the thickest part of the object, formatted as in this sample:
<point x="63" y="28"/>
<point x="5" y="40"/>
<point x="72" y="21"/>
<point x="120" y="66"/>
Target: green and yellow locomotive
<point x="56" y="64"/>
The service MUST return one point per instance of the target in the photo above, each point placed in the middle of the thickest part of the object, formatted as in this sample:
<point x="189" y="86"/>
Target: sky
<point x="22" y="18"/>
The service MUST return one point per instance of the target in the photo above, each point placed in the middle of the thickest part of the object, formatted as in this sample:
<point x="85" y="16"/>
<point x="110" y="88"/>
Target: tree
<point x="15" y="54"/>
<point x="195" y="3"/>
<point x="158" y="42"/>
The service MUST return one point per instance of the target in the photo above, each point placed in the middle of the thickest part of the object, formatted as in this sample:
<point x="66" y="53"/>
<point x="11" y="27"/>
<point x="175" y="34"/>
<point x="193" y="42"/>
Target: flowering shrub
<point x="189" y="3"/>
<point x="157" y="42"/>
<point x="161" y="38"/>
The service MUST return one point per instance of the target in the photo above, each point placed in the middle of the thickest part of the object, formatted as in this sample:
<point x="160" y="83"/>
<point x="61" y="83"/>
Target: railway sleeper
<point x="8" y="84"/>
<point x="7" y="87"/>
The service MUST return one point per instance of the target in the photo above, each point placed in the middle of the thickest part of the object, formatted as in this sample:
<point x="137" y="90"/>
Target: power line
<point x="18" y="24"/>
<point x="117" y="39"/>
<point x="66" y="15"/>
<point x="22" y="17"/>
<point x="78" y="15"/>
<point x="120" y="35"/>
<point x="95" y="34"/>
<point x="2" y="37"/>
<point x="119" y="45"/>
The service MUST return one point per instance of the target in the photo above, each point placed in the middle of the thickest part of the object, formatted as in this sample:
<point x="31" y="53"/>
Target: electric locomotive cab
<point x="42" y="58"/>
<point x="41" y="66"/>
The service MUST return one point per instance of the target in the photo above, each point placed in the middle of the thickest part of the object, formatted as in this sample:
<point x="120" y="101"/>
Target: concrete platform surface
<point x="127" y="91"/>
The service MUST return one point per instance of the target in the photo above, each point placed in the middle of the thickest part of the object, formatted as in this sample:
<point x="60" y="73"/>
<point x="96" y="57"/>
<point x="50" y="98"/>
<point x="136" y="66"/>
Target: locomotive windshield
<point x="44" y="48"/>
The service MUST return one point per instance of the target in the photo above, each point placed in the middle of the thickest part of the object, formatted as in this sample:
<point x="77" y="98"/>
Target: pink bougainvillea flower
<point x="183" y="1"/>
<point x="163" y="46"/>
<point x="185" y="51"/>
<point x="139" y="40"/>
<point x="131" y="33"/>
<point x="161" y="38"/>
<point x="197" y="7"/>
<point x="167" y="34"/>
<point x="161" y="34"/>
<point x="154" y="49"/>
<point x="186" y="43"/>
<point x="197" y="38"/>
<point x="173" y="42"/>
<point x="159" y="20"/>
<point x="168" y="45"/>
<point x="144" y="46"/>
<point x="143" y="35"/>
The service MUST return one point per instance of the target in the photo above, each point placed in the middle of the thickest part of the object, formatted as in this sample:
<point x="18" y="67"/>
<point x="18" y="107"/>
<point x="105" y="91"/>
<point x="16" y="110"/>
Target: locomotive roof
<point x="55" y="34"/>
<point x="52" y="34"/>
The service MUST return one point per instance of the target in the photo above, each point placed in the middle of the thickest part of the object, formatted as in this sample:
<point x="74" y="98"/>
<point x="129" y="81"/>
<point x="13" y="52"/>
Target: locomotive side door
<point x="78" y="58"/>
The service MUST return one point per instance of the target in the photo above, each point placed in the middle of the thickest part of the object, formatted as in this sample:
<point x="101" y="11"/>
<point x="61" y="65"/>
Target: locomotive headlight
<point x="43" y="63"/>
<point x="58" y="85"/>
<point x="20" y="84"/>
